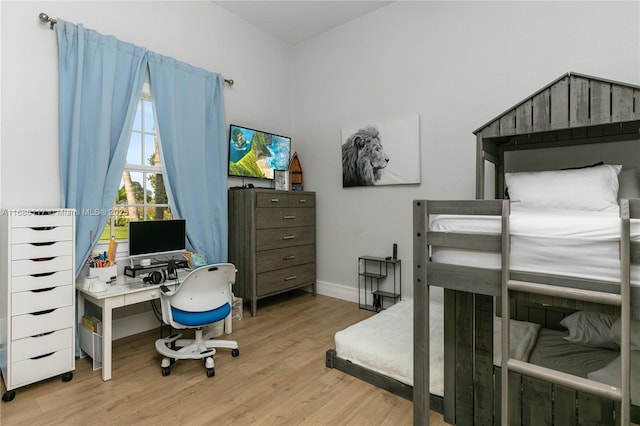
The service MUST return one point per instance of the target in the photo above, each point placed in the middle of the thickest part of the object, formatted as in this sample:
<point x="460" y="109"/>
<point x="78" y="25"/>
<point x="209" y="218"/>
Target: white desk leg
<point x="106" y="339"/>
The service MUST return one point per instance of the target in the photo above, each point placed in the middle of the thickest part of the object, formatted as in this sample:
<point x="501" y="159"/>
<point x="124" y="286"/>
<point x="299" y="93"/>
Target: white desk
<point x="125" y="291"/>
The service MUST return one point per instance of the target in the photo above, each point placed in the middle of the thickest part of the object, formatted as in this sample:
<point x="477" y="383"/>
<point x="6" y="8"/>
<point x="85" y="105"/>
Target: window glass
<point x="142" y="194"/>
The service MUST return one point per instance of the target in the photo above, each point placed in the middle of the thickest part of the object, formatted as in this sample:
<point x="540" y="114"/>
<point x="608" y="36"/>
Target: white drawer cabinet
<point x="37" y="296"/>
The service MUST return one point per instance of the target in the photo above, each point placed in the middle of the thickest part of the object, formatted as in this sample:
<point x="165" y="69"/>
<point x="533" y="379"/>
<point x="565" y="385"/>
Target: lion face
<point x="373" y="153"/>
<point x="363" y="158"/>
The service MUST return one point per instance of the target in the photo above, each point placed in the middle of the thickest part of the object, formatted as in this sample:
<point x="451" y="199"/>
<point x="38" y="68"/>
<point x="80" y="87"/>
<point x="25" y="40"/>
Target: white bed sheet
<point x="384" y="343"/>
<point x="573" y="243"/>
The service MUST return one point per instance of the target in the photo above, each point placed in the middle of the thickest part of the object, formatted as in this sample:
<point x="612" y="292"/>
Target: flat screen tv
<point x="152" y="237"/>
<point x="256" y="154"/>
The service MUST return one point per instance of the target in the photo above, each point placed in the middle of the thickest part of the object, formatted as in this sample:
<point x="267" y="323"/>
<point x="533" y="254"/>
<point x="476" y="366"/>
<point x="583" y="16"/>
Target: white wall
<point x="199" y="33"/>
<point x="458" y="65"/>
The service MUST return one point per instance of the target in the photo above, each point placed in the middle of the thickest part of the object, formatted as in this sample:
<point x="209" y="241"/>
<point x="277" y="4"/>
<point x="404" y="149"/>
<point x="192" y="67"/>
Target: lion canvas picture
<point x="382" y="153"/>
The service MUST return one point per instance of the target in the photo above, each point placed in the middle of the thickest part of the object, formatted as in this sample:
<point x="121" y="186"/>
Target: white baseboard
<point x="339" y="291"/>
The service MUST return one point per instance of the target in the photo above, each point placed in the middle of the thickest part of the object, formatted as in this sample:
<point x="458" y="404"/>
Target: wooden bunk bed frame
<point x="574" y="109"/>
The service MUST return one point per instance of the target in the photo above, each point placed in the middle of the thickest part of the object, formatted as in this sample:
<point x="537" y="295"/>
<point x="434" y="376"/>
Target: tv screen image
<point x="256" y="154"/>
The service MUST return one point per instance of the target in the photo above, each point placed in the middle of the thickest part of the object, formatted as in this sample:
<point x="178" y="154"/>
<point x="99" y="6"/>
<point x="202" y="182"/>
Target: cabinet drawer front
<point x="284" y="218"/>
<point x="26" y="302"/>
<point x="270" y="260"/>
<point x="285" y="199"/>
<point x="31" y="324"/>
<point x="44" y="280"/>
<point x="26" y="219"/>
<point x="41" y="265"/>
<point x="30" y="347"/>
<point x="267" y="239"/>
<point x="32" y="370"/>
<point x="42" y="234"/>
<point x="283" y="279"/>
<point x="38" y="250"/>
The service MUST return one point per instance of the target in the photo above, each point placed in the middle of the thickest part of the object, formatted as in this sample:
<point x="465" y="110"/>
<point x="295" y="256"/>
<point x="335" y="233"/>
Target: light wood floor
<point x="279" y="378"/>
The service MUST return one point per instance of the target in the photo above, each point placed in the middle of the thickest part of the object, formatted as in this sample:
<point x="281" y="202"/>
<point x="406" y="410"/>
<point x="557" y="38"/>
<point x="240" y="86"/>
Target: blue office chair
<point x="204" y="297"/>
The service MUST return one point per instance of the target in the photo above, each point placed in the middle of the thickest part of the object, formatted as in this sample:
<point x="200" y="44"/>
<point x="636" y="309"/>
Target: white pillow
<point x="634" y="336"/>
<point x="629" y="184"/>
<point x="590" y="329"/>
<point x="592" y="188"/>
<point x="610" y="375"/>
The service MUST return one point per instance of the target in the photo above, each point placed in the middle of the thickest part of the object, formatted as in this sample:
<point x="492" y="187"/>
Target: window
<point x="142" y="194"/>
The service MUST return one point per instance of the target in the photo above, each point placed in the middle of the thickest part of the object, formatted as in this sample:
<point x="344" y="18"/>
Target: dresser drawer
<point x="41" y="265"/>
<point x="33" y="346"/>
<point x="267" y="239"/>
<point x="31" y="324"/>
<point x="270" y="260"/>
<point x="44" y="280"/>
<point x="285" y="199"/>
<point x="284" y="218"/>
<point x="26" y="302"/>
<point x="31" y="370"/>
<point x="42" y="234"/>
<point x="284" y="279"/>
<point x="39" y="250"/>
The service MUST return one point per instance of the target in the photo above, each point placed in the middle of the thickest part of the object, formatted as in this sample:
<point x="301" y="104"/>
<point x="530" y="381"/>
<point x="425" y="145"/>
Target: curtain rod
<point x="44" y="18"/>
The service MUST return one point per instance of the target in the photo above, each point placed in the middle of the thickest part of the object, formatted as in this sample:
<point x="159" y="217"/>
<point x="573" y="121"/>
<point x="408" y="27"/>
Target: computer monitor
<point x="155" y="237"/>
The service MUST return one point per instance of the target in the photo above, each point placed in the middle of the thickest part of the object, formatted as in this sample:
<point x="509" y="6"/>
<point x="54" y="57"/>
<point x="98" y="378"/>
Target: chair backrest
<point x="205" y="288"/>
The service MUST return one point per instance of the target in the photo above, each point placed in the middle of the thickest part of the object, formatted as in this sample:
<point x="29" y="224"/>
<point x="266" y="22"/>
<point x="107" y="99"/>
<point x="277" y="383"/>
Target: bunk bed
<point x="572" y="110"/>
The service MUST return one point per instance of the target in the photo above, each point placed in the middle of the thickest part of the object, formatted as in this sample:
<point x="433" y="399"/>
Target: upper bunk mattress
<point x="573" y="243"/>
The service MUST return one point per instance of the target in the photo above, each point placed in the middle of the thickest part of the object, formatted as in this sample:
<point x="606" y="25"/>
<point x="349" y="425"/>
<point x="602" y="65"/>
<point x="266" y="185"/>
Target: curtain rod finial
<point x="45" y="18"/>
<point x="229" y="81"/>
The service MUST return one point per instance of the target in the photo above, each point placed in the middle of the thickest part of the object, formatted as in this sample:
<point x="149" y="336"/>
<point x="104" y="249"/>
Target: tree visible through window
<point x="142" y="194"/>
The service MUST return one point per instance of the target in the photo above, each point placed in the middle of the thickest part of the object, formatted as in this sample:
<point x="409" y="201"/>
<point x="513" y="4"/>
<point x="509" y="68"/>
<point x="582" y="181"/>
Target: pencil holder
<point x="106" y="274"/>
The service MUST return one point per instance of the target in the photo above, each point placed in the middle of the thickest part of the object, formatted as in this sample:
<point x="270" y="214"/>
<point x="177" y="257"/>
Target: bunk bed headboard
<point x="574" y="109"/>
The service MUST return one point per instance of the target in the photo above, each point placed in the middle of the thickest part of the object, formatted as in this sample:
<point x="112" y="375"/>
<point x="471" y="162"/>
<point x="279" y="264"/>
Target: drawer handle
<point x="42" y="259"/>
<point x="40" y="290"/>
<point x="48" y="311"/>
<point x="289" y="237"/>
<point x="43" y="334"/>
<point x="302" y="200"/>
<point x="289" y="257"/>
<point x="42" y="274"/>
<point x="50" y="243"/>
<point x="43" y="228"/>
<point x="275" y="200"/>
<point x="293" y="216"/>
<point x="292" y="277"/>
<point x="43" y="356"/>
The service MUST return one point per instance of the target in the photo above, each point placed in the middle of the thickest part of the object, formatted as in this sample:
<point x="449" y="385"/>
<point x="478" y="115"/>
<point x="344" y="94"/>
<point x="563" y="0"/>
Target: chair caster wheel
<point x="66" y="377"/>
<point x="235" y="352"/>
<point x="211" y="372"/>
<point x="9" y="395"/>
<point x="165" y="371"/>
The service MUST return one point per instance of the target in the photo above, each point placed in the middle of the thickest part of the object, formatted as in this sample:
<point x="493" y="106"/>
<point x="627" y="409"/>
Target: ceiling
<point x="296" y="21"/>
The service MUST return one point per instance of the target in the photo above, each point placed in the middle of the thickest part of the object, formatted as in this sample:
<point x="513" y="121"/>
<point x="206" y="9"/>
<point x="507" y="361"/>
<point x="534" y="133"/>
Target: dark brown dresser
<point x="272" y="241"/>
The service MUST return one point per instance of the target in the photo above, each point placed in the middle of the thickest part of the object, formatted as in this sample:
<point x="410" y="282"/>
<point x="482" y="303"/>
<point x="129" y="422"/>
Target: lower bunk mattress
<point x="383" y="344"/>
